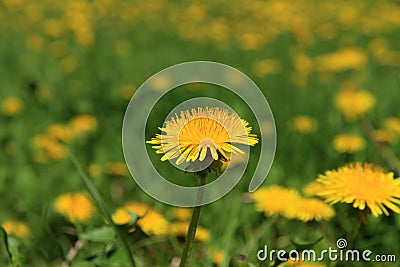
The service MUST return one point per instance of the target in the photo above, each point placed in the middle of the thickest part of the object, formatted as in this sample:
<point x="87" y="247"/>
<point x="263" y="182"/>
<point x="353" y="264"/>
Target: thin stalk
<point x="194" y="221"/>
<point x="103" y="207"/>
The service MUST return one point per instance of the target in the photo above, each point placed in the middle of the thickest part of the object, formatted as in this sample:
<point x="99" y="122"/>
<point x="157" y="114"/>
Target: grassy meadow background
<point x="69" y="68"/>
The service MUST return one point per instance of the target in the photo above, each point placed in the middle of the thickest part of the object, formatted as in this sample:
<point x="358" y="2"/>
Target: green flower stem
<point x="194" y="221"/>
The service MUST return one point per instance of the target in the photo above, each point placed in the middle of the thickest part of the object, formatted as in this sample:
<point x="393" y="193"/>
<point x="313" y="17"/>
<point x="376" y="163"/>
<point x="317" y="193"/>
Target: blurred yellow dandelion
<point x="304" y="124"/>
<point x="76" y="207"/>
<point x="308" y="209"/>
<point x="181" y="228"/>
<point x="348" y="143"/>
<point x="354" y="103"/>
<point x="393" y="124"/>
<point x="363" y="186"/>
<point x="83" y="124"/>
<point x="265" y="200"/>
<point x="385" y="136"/>
<point x="151" y="221"/>
<point x="16" y="228"/>
<point x="117" y="168"/>
<point x="344" y="59"/>
<point x="192" y="135"/>
<point x="265" y="67"/>
<point x="12" y="106"/>
<point x="181" y="214"/>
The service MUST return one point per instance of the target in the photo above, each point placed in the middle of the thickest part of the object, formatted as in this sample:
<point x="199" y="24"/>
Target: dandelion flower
<point x="354" y="103"/>
<point x="181" y="214"/>
<point x="344" y="59"/>
<point x="12" y="106"/>
<point x="76" y="207"/>
<point x="117" y="168"/>
<point x="181" y="228"/>
<point x="193" y="135"/>
<point x="83" y="123"/>
<point x="348" y="143"/>
<point x="17" y="228"/>
<point x="151" y="221"/>
<point x="308" y="209"/>
<point x="274" y="199"/>
<point x="304" y="124"/>
<point x="385" y="136"/>
<point x="363" y="186"/>
<point x="393" y="124"/>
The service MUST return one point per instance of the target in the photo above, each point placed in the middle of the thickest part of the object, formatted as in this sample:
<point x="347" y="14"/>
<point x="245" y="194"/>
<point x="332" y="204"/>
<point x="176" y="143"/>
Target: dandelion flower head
<point x="198" y="133"/>
<point x="363" y="185"/>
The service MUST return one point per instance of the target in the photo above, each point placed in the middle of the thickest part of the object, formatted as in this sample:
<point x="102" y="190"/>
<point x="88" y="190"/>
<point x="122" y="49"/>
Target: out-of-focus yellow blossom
<point x="303" y="66"/>
<point x="16" y="228"/>
<point x="344" y="59"/>
<point x="83" y="124"/>
<point x="392" y="124"/>
<point x="354" y="103"/>
<point x="181" y="214"/>
<point x="68" y="64"/>
<point x="217" y="256"/>
<point x="48" y="148"/>
<point x="380" y="49"/>
<point x="309" y="209"/>
<point x="127" y="92"/>
<point x="95" y="170"/>
<point x="117" y="168"/>
<point x="59" y="132"/>
<point x="181" y="228"/>
<point x="385" y="136"/>
<point x="160" y="83"/>
<point x="151" y="222"/>
<point x="265" y="67"/>
<point x="12" y="106"/>
<point x="304" y="124"/>
<point x="262" y="198"/>
<point x="53" y="27"/>
<point x="348" y="143"/>
<point x="76" y="207"/>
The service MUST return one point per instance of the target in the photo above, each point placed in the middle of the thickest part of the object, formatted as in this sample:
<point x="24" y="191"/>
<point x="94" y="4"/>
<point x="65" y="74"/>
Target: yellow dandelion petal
<point x="200" y="133"/>
<point x="311" y="189"/>
<point x="265" y="199"/>
<point x="76" y="207"/>
<point x="362" y="186"/>
<point x="348" y="143"/>
<point x="354" y="103"/>
<point x="16" y="228"/>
